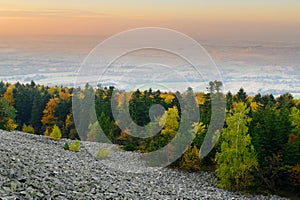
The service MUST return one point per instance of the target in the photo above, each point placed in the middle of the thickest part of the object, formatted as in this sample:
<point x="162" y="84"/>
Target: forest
<point x="258" y="150"/>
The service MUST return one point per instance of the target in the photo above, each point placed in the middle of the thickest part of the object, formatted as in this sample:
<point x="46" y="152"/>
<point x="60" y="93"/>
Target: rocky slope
<point x="34" y="167"/>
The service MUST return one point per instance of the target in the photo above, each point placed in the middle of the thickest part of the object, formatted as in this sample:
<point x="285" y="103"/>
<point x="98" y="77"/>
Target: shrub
<point x="56" y="133"/>
<point x="190" y="159"/>
<point x="66" y="146"/>
<point x="28" y="129"/>
<point x="103" y="153"/>
<point x="129" y="147"/>
<point x="296" y="175"/>
<point x="75" y="146"/>
<point x="46" y="133"/>
<point x="10" y="125"/>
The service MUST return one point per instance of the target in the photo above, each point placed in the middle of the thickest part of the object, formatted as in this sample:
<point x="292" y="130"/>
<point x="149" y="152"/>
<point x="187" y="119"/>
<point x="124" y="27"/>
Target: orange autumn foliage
<point x="48" y="113"/>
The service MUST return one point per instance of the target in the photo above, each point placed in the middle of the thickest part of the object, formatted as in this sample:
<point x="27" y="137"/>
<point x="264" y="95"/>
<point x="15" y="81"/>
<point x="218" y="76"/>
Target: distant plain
<point x="265" y="67"/>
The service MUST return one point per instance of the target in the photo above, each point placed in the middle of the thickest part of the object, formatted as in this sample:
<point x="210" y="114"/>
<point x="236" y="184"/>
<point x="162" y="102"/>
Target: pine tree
<point x="237" y="157"/>
<point x="269" y="130"/>
<point x="2" y="88"/>
<point x="241" y="96"/>
<point x="229" y="100"/>
<point x="23" y="101"/>
<point x="39" y="103"/>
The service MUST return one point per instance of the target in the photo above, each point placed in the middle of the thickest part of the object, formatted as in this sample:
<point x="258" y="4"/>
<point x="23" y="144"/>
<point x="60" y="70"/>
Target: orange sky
<point x="236" y="19"/>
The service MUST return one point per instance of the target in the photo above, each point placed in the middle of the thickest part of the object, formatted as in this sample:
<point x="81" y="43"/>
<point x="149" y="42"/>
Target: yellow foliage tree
<point x="48" y="113"/>
<point x="169" y="121"/>
<point x="200" y="98"/>
<point x="64" y="95"/>
<point x="237" y="157"/>
<point x="255" y="106"/>
<point x="56" y="133"/>
<point x="168" y="98"/>
<point x="8" y="95"/>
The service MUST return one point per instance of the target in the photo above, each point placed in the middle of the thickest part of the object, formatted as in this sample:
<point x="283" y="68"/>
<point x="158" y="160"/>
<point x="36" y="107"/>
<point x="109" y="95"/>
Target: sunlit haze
<point x="232" y="19"/>
<point x="255" y="44"/>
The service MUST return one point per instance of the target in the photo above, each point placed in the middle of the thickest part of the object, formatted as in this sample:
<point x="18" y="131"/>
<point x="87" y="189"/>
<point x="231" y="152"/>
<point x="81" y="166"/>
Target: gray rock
<point x="35" y="167"/>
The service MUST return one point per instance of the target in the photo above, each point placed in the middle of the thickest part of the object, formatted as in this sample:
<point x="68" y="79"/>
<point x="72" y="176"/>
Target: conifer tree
<point x="23" y="101"/>
<point x="7" y="115"/>
<point x="291" y="153"/>
<point x="39" y="104"/>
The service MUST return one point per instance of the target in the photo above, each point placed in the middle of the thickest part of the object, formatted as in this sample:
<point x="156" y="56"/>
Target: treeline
<point x="258" y="149"/>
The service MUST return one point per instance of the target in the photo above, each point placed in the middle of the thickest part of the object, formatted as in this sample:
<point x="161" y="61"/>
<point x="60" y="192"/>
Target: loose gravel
<point x="35" y="167"/>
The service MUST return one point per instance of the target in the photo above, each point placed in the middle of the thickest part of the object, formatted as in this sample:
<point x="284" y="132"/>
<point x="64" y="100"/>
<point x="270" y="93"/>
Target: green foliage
<point x="274" y="176"/>
<point x="129" y="147"/>
<point x="236" y="159"/>
<point x="7" y="115"/>
<point x="291" y="151"/>
<point x="27" y="129"/>
<point x="295" y="120"/>
<point x="38" y="106"/>
<point x="296" y="175"/>
<point x="56" y="133"/>
<point x="75" y="146"/>
<point x="66" y="146"/>
<point x="269" y="129"/>
<point x="229" y="101"/>
<point x="274" y="128"/>
<point x="170" y="121"/>
<point x="23" y="101"/>
<point x="103" y="153"/>
<point x="241" y="96"/>
<point x="106" y="125"/>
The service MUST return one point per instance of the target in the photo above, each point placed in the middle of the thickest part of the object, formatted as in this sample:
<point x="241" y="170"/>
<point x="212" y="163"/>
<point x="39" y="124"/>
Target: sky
<point x="276" y="20"/>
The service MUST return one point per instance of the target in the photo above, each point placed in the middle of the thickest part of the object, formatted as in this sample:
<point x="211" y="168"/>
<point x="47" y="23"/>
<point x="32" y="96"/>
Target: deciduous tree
<point x="237" y="158"/>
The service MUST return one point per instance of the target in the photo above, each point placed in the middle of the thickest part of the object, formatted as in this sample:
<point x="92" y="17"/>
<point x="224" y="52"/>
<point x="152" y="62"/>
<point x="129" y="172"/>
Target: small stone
<point x="23" y="192"/>
<point x="39" y="194"/>
<point x="6" y="189"/>
<point x="22" y="179"/>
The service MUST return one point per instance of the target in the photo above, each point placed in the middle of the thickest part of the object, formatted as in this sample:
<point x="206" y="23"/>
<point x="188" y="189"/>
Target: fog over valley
<point x="265" y="67"/>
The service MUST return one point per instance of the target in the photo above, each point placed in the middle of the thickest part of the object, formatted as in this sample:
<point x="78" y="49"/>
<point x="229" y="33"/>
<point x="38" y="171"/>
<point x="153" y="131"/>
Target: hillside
<point x="34" y="167"/>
